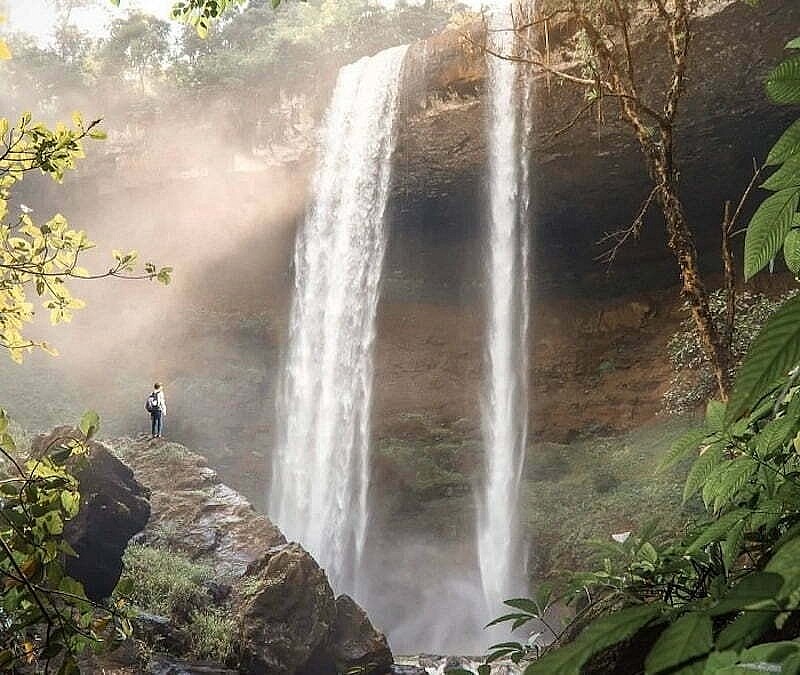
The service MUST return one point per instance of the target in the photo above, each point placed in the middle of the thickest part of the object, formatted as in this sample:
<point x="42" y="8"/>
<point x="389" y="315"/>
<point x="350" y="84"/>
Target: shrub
<point x="694" y="381"/>
<point x="164" y="582"/>
<point x="211" y="634"/>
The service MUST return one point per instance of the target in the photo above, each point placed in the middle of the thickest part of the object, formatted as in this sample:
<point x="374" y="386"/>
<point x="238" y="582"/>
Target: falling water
<point x="506" y="392"/>
<point x="320" y="465"/>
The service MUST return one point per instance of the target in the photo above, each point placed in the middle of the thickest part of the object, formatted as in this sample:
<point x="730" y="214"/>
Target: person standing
<point x="157" y="407"/>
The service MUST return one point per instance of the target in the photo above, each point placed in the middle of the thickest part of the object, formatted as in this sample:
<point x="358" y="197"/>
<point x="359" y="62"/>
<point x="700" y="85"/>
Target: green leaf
<point x="793" y="44"/>
<point x="523" y="604"/>
<point x="90" y="423"/>
<point x="784" y="563"/>
<point x="744" y="630"/>
<point x="788" y="176"/>
<point x="775" y="350"/>
<point x="701" y="469"/>
<point x="601" y="633"/>
<point x="688" y="442"/>
<point x="791" y="251"/>
<point x="783" y="83"/>
<point x="787" y="146"/>
<point x="715" y="415"/>
<point x="686" y="639"/>
<point x="768" y="228"/>
<point x="717" y="529"/>
<point x="755" y="591"/>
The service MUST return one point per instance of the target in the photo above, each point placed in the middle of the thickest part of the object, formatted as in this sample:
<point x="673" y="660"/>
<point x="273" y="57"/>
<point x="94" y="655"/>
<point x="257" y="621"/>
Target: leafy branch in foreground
<point x="43" y="257"/>
<point x="44" y="614"/>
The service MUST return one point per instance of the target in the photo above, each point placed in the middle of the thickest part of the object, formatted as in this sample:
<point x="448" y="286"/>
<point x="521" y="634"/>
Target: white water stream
<point x="321" y="462"/>
<point x="505" y="411"/>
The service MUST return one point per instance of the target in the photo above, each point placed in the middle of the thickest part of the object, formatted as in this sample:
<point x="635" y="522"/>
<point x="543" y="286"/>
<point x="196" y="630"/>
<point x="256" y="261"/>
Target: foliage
<point x="42" y="257"/>
<point x="45" y="614"/>
<point x="693" y="383"/>
<point x="776" y="223"/>
<point x="211" y="634"/>
<point x="725" y="596"/>
<point x="163" y="581"/>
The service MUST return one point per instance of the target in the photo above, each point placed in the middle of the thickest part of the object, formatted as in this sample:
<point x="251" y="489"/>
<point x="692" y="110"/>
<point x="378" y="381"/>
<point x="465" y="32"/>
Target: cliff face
<point x="590" y="179"/>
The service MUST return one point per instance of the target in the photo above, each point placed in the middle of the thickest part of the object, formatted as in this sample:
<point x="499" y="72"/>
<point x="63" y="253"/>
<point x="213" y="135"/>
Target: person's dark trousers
<point x="157" y="420"/>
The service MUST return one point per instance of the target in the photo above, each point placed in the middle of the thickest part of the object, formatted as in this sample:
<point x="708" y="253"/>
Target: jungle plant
<point x="725" y="596"/>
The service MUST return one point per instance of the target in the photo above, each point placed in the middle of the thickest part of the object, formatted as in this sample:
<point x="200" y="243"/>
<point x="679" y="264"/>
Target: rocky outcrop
<point x="286" y="612"/>
<point x="193" y="511"/>
<point x="289" y="620"/>
<point x="355" y="642"/>
<point x="113" y="509"/>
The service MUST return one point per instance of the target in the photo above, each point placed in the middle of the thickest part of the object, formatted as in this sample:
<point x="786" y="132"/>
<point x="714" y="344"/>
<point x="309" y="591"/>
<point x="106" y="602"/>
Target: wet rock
<point x="286" y="612"/>
<point x="194" y="512"/>
<point x="114" y="507"/>
<point x="165" y="665"/>
<point x="398" y="669"/>
<point x="355" y="642"/>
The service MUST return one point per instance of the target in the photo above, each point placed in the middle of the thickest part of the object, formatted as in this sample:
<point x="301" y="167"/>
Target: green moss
<point x="429" y="470"/>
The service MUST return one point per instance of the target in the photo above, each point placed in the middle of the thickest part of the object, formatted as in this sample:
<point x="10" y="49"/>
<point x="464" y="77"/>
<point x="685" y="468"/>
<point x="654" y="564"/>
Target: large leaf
<point x="717" y="529"/>
<point x="745" y="630"/>
<point x="783" y="83"/>
<point x="686" y="639"/>
<point x="788" y="176"/>
<point x="601" y="633"/>
<point x="784" y="562"/>
<point x="755" y="591"/>
<point x="768" y="228"/>
<point x="787" y="146"/>
<point x="701" y="469"/>
<point x="688" y="442"/>
<point x="791" y="250"/>
<point x="774" y="352"/>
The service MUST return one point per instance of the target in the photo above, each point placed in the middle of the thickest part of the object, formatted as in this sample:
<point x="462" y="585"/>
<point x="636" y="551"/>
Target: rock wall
<point x="591" y="179"/>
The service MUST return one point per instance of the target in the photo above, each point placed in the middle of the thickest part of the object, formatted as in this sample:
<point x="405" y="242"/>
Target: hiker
<point x="156" y="405"/>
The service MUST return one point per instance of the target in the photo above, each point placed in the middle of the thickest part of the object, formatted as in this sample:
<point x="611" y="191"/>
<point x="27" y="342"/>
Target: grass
<point x="211" y="634"/>
<point x="164" y="582"/>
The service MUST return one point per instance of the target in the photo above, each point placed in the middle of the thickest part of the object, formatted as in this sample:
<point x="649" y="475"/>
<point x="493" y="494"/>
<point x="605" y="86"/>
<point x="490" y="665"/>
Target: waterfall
<point x="320" y="467"/>
<point x="505" y="400"/>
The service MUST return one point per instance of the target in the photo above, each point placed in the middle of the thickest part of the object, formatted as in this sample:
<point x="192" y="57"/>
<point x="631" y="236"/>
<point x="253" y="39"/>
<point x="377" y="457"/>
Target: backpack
<point x="152" y="405"/>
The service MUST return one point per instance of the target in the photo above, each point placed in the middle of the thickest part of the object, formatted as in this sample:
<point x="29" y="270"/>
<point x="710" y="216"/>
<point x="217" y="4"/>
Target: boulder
<point x="286" y="612"/>
<point x="114" y="507"/>
<point x="193" y="511"/>
<point x="355" y="642"/>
